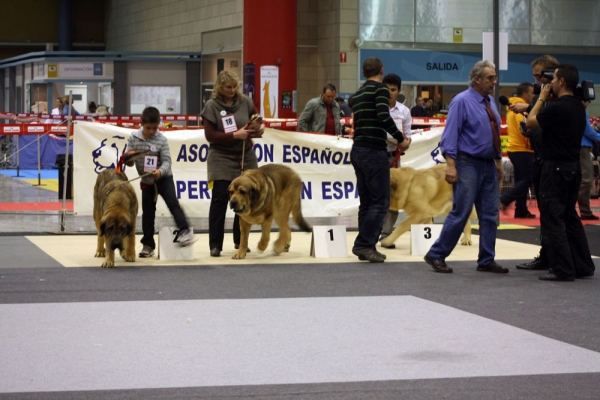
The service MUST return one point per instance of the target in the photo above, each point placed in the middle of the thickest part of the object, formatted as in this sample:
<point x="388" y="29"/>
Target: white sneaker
<point x="146" y="252"/>
<point x="185" y="238"/>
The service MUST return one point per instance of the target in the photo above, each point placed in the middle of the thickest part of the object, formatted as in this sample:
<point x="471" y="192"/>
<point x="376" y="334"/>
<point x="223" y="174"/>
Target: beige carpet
<point x="78" y="251"/>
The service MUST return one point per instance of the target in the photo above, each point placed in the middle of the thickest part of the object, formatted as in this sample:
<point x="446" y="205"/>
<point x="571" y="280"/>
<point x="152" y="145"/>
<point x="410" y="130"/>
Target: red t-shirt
<point x="329" y="123"/>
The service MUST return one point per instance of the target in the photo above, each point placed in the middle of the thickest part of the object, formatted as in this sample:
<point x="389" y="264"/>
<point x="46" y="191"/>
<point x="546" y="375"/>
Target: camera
<point x="585" y="91"/>
<point x="537" y="86"/>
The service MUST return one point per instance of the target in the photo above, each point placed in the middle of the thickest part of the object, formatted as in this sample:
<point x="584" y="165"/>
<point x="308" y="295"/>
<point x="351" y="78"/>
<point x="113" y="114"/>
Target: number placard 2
<point x="422" y="236"/>
<point x="329" y="241"/>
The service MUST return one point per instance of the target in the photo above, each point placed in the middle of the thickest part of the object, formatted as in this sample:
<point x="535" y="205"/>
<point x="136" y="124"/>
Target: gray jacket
<point x="314" y="116"/>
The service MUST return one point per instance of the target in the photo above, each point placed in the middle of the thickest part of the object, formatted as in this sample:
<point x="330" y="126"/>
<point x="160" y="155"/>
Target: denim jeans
<point x="372" y="171"/>
<point x="477" y="184"/>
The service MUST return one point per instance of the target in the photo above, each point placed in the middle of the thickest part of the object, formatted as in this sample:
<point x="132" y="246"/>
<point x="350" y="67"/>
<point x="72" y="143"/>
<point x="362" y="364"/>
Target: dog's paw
<point x="387" y="242"/>
<point x="128" y="257"/>
<point x="262" y="246"/>
<point x="101" y="253"/>
<point x="239" y="255"/>
<point x="465" y="242"/>
<point x="287" y="248"/>
<point x="108" y="264"/>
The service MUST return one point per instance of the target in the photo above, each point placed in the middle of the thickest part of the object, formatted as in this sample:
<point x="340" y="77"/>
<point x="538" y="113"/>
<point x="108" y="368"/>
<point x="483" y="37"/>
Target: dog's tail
<point x="299" y="219"/>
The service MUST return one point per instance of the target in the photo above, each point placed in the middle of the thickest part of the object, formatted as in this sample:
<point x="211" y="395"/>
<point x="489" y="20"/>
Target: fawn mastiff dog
<point x="259" y="196"/>
<point x="422" y="194"/>
<point x="115" y="210"/>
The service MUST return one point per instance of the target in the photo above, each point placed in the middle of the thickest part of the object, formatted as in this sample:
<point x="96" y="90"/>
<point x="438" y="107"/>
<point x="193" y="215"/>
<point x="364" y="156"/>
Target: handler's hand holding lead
<point x="406" y="143"/>
<point x="156" y="174"/>
<point x="451" y="175"/>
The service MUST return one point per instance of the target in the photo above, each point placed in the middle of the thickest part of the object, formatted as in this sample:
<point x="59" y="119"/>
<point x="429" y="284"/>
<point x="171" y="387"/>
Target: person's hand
<point x="451" y="174"/>
<point x="545" y="93"/>
<point x="156" y="174"/>
<point x="242" y="134"/>
<point x="500" y="169"/>
<point x="259" y="132"/>
<point x="405" y="144"/>
<point x="518" y="107"/>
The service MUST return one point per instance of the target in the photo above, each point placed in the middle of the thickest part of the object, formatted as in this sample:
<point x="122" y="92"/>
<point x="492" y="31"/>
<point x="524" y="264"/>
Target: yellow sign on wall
<point x="52" y="71"/>
<point x="457" y="35"/>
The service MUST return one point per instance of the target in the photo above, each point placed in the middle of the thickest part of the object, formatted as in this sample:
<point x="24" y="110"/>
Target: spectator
<point x="520" y="155"/>
<point x="471" y="145"/>
<point x="587" y="168"/>
<point x="345" y="110"/>
<point x="66" y="106"/>
<point x="92" y="108"/>
<point x="59" y="107"/>
<point x="419" y="109"/>
<point x="437" y="105"/>
<point x="321" y="114"/>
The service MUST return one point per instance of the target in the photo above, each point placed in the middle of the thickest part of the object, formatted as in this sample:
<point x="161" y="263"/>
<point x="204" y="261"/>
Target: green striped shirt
<point x="372" y="121"/>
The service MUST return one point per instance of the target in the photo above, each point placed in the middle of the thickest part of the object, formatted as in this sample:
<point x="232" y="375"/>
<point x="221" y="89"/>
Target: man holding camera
<point x="563" y="123"/>
<point x="543" y="70"/>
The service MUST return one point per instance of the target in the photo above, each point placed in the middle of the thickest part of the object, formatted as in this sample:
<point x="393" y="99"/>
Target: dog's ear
<point x="254" y="195"/>
<point x="102" y="227"/>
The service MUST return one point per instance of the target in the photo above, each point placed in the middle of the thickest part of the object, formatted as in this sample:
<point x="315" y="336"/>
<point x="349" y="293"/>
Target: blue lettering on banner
<point x="305" y="155"/>
<point x="339" y="190"/>
<point x="264" y="153"/>
<point x="196" y="190"/>
<point x="192" y="153"/>
<point x="306" y="190"/>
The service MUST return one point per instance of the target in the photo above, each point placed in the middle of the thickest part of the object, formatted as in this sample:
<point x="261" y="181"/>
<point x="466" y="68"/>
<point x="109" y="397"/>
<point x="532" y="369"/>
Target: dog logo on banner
<point x="107" y="155"/>
<point x="436" y="155"/>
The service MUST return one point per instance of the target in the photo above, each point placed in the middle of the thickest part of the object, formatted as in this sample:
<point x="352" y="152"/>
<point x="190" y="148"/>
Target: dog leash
<point x="131" y="180"/>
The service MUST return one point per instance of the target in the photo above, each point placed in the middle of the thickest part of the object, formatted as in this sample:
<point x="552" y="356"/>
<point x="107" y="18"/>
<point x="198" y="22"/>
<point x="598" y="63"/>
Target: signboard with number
<point x="422" y="236"/>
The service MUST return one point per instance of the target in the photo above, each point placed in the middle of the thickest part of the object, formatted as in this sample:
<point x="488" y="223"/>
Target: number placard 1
<point x="422" y="236"/>
<point x="329" y="241"/>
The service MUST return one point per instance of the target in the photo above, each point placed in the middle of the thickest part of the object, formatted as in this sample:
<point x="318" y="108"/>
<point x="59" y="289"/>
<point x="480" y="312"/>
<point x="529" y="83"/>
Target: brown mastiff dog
<point x="422" y="194"/>
<point x="115" y="210"/>
<point x="261" y="195"/>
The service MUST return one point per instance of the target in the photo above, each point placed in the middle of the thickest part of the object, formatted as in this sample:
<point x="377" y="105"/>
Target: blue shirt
<point x="468" y="127"/>
<point x="589" y="135"/>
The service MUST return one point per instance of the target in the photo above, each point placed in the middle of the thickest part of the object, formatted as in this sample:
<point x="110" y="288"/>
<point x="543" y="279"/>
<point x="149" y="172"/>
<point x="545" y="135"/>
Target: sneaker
<point x="185" y="238"/>
<point x="537" y="264"/>
<point x="146" y="252"/>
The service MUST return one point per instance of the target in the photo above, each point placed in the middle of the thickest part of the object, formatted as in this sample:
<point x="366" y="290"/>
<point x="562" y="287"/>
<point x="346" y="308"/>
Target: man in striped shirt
<point x="372" y="123"/>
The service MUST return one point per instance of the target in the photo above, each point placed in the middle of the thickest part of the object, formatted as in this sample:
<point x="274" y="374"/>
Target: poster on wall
<point x="269" y="89"/>
<point x="286" y="99"/>
<point x="249" y="80"/>
<point x="166" y="98"/>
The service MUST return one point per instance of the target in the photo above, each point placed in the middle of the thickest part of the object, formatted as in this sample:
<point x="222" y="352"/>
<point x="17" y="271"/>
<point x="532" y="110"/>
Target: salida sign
<point x="441" y="66"/>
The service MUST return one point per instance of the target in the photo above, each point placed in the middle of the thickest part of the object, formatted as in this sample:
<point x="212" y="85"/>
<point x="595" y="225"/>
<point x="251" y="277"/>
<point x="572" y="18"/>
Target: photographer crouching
<point x="563" y="123"/>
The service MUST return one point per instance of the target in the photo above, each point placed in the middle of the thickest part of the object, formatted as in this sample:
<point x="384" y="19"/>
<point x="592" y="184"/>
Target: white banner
<point x="322" y="161"/>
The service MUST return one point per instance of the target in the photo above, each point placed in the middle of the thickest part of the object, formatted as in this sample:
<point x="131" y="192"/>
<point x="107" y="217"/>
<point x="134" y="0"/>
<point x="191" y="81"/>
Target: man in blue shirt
<point x="587" y="168"/>
<point x="471" y="145"/>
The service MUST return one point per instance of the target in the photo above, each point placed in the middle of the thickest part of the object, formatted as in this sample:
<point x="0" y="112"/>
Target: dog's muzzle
<point x="117" y="245"/>
<point x="235" y="206"/>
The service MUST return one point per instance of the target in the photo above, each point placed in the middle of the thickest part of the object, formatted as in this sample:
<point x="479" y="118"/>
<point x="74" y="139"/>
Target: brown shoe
<point x="492" y="267"/>
<point x="368" y="254"/>
<point x="363" y="258"/>
<point x="438" y="265"/>
<point x="215" y="252"/>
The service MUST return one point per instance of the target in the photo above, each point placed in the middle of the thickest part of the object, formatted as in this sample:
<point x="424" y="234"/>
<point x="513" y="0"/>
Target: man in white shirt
<point x="401" y="115"/>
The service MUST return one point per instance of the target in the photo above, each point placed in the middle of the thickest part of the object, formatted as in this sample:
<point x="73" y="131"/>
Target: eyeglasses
<point x="538" y="76"/>
<point x="491" y="78"/>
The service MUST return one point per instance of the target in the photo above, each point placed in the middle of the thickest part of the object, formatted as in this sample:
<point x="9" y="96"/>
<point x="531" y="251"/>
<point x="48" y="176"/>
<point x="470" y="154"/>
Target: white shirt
<point x="401" y="115"/>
